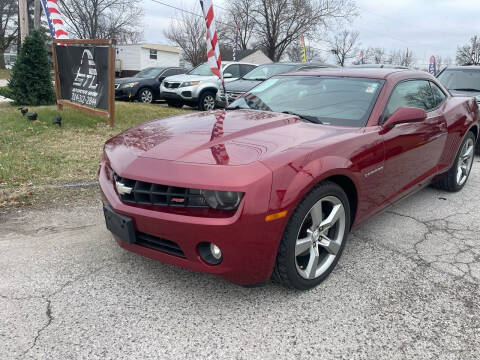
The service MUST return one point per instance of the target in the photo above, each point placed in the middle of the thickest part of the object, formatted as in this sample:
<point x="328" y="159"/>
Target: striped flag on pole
<point x="54" y="18"/>
<point x="213" y="50"/>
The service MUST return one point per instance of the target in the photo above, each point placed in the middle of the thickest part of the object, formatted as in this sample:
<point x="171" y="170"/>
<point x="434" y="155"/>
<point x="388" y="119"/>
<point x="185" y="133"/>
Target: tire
<point x="206" y="100"/>
<point x="175" y="104"/>
<point x="297" y="249"/>
<point x="452" y="181"/>
<point x="477" y="147"/>
<point x="145" y="96"/>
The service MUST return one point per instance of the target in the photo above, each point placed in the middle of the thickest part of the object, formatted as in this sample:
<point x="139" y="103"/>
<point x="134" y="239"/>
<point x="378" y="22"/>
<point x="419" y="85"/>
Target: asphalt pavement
<point x="407" y="287"/>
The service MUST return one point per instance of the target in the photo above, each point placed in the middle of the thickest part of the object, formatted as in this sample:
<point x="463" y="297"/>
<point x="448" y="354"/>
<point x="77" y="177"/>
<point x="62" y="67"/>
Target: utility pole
<point x="37" y="14"/>
<point x="23" y="19"/>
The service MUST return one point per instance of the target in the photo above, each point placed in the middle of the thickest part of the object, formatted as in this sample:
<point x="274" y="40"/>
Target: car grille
<point x="171" y="85"/>
<point x="231" y="95"/>
<point x="145" y="193"/>
<point x="159" y="244"/>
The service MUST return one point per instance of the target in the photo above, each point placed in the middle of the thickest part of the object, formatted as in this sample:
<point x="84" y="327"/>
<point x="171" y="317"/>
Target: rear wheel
<point x="477" y="148"/>
<point x="175" y="104"/>
<point x="314" y="238"/>
<point x="207" y="101"/>
<point x="145" y="96"/>
<point x="456" y="178"/>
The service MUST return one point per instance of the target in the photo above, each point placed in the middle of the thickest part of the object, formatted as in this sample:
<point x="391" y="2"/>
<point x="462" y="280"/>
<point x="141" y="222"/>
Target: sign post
<point x="85" y="75"/>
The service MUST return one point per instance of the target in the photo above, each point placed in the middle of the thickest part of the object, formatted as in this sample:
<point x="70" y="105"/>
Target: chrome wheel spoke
<point x="316" y="213"/>
<point x="303" y="245"/>
<point x="331" y="246"/>
<point x="335" y="214"/>
<point x="311" y="269"/>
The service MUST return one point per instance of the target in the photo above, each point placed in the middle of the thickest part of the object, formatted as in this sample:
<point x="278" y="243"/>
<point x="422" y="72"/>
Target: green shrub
<point x="6" y="92"/>
<point x="30" y="81"/>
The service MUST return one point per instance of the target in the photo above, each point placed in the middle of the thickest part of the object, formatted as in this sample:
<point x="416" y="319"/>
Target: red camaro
<point x="272" y="186"/>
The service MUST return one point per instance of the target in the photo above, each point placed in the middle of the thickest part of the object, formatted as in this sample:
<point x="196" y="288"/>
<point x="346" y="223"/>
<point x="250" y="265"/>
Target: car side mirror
<point x="161" y="78"/>
<point x="227" y="76"/>
<point x="404" y="115"/>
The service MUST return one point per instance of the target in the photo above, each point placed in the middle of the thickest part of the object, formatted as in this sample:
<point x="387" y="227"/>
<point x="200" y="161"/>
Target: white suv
<point x="199" y="86"/>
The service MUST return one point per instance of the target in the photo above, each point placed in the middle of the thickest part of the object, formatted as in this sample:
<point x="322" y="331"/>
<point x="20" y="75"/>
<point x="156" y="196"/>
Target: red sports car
<point x="272" y="186"/>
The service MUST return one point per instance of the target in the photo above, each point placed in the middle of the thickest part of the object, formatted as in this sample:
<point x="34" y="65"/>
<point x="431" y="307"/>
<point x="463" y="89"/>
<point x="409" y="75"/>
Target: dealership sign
<point x="432" y="68"/>
<point x="84" y="75"/>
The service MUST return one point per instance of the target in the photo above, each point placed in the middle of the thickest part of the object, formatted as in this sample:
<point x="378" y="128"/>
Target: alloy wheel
<point x="209" y="102"/>
<point x="320" y="237"/>
<point x="146" y="96"/>
<point x="465" y="162"/>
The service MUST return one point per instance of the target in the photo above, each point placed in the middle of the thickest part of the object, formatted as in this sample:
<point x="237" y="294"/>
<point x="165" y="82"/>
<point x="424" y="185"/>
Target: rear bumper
<point x="248" y="243"/>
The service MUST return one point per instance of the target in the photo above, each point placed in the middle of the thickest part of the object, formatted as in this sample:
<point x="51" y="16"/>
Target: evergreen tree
<point x="30" y="81"/>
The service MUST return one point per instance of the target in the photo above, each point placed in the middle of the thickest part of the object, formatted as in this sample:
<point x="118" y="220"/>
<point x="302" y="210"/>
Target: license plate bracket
<point x="119" y="225"/>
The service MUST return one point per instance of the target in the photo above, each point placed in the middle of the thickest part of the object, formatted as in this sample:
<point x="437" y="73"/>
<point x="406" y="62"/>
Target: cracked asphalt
<point x="407" y="287"/>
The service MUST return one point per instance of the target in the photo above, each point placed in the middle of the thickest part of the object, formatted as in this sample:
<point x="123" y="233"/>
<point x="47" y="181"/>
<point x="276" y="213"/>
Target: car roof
<point x="237" y="62"/>
<point x="377" y="66"/>
<point x="373" y="73"/>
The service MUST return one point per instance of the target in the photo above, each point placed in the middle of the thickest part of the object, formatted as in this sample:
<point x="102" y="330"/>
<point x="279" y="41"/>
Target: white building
<point x="133" y="58"/>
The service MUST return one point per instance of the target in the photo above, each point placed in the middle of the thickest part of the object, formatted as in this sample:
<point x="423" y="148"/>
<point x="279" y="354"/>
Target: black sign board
<point x="84" y="74"/>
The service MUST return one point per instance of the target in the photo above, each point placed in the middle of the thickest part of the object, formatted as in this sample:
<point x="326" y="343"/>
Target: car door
<point x="234" y="71"/>
<point x="413" y="150"/>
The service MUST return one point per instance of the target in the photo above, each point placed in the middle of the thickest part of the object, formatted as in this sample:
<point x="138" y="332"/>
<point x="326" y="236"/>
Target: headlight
<point x="222" y="200"/>
<point x="189" y="83"/>
<point x="128" y="85"/>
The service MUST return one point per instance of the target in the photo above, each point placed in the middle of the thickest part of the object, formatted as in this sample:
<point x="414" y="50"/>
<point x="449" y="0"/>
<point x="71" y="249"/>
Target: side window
<point x="233" y="69"/>
<point x="169" y="72"/>
<point x="153" y="54"/>
<point x="438" y="94"/>
<point x="245" y="69"/>
<point x="412" y="93"/>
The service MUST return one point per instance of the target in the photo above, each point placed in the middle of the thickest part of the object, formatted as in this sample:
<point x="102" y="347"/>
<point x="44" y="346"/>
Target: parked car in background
<point x="463" y="81"/>
<point x="144" y="86"/>
<point x="256" y="76"/>
<point x="199" y="86"/>
<point x="272" y="186"/>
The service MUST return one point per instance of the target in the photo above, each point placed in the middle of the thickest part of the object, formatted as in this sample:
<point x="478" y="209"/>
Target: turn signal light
<point x="276" y="216"/>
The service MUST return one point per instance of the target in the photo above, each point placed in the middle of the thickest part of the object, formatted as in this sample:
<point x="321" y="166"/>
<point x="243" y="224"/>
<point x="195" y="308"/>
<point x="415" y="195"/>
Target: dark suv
<point x="144" y="86"/>
<point x="462" y="81"/>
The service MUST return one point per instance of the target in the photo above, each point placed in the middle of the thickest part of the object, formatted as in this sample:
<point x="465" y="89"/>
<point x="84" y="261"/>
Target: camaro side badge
<point x="374" y="171"/>
<point x="122" y="189"/>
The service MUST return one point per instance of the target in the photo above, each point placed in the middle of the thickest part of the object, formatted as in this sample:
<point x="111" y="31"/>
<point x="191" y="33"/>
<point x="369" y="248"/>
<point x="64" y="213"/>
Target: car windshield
<point x="329" y="100"/>
<point x="149" y="73"/>
<point x="264" y="72"/>
<point x="203" y="70"/>
<point x="461" y="79"/>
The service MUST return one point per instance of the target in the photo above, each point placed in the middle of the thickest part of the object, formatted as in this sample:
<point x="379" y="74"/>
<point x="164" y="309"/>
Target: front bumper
<point x="232" y="96"/>
<point x="125" y="94"/>
<point x="248" y="243"/>
<point x="186" y="94"/>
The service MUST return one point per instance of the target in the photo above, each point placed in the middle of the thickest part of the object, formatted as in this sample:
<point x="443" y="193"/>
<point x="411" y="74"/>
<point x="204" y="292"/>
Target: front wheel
<point x="456" y="178"/>
<point x="314" y="238"/>
<point x="206" y="101"/>
<point x="145" y="96"/>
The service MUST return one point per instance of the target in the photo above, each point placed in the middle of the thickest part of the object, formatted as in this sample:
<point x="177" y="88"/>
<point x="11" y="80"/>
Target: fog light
<point x="216" y="252"/>
<point x="210" y="253"/>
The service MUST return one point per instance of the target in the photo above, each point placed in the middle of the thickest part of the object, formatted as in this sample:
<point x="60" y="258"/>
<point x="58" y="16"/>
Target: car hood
<point x="242" y="85"/>
<point x="474" y="94"/>
<point x="186" y="77"/>
<point x="221" y="137"/>
<point x="127" y="80"/>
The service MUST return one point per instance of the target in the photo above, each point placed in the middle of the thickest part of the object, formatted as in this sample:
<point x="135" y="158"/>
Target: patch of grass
<point x="5" y="74"/>
<point x="6" y="92"/>
<point x="39" y="153"/>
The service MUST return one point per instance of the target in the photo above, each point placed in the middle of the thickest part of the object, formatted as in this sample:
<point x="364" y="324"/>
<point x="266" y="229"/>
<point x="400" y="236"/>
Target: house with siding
<point x="130" y="59"/>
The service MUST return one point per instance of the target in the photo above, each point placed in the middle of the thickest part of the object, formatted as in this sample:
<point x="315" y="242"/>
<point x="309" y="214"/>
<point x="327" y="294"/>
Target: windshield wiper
<point x="466" y="89"/>
<point x="312" y="119"/>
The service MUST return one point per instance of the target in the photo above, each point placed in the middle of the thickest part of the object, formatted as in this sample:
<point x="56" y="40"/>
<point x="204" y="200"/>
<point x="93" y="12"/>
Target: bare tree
<point x="279" y="23"/>
<point x="343" y="45"/>
<point x="8" y="28"/>
<point x="375" y="55"/>
<point x="442" y="62"/>
<point x="188" y="32"/>
<point x="401" y="58"/>
<point x="95" y="19"/>
<point x="241" y="12"/>
<point x="469" y="54"/>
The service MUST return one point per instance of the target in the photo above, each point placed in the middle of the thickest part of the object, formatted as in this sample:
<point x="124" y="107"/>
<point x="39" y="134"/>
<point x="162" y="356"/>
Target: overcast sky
<point x="425" y="26"/>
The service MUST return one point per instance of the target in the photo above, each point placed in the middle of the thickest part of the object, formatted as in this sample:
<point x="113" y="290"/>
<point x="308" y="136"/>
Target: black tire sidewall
<point x="293" y="227"/>
<point x="202" y="99"/>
